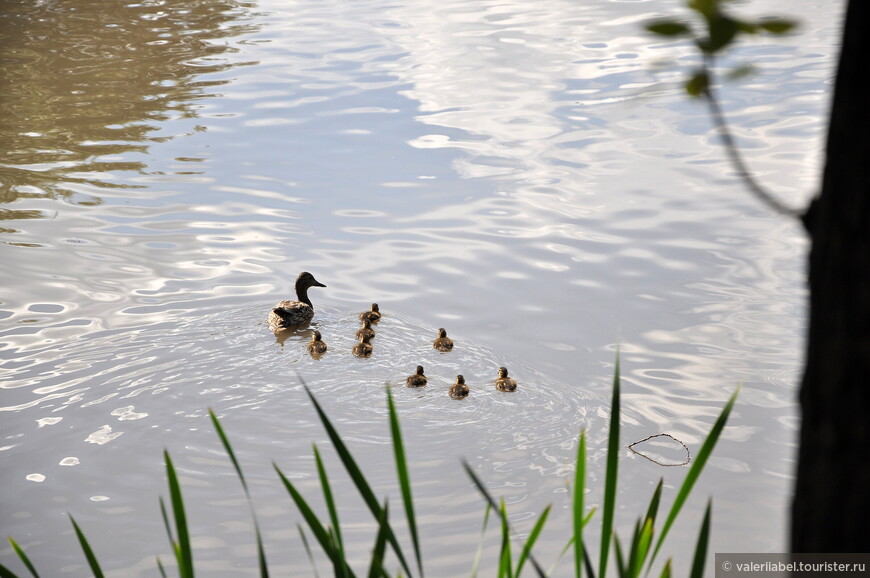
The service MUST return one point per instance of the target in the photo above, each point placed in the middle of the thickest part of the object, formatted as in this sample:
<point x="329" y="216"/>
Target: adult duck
<point x="459" y="390"/>
<point x="288" y="314"/>
<point x="418" y="379"/>
<point x="373" y="314"/>
<point x="505" y="383"/>
<point x="316" y="347"/>
<point x="442" y="343"/>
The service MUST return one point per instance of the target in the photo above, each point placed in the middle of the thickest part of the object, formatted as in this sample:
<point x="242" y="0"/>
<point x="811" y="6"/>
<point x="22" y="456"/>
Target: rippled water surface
<point x="528" y="175"/>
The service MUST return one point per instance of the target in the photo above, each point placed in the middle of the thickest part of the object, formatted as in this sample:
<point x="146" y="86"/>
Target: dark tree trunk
<point x="831" y="506"/>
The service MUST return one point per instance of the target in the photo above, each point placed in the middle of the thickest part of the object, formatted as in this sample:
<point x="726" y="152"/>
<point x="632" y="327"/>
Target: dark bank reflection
<point x="85" y="83"/>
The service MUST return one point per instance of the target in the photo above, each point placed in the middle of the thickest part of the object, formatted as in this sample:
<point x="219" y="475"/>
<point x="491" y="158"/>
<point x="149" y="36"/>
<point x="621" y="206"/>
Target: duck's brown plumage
<point x="442" y="343"/>
<point x="505" y="383"/>
<point x="459" y="390"/>
<point x="418" y="379"/>
<point x="316" y="346"/>
<point x="366" y="330"/>
<point x="363" y="348"/>
<point x="288" y="314"/>
<point x="373" y="314"/>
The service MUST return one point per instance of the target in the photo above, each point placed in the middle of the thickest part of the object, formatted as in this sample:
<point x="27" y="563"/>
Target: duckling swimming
<point x="363" y="348"/>
<point x="459" y="390"/>
<point x="373" y="315"/>
<point x="443" y="343"/>
<point x="316" y="347"/>
<point x="288" y="314"/>
<point x="505" y="383"/>
<point x="366" y="329"/>
<point x="418" y="379"/>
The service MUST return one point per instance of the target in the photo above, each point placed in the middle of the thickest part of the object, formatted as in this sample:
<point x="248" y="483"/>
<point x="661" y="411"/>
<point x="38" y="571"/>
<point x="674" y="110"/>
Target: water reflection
<point x="89" y="85"/>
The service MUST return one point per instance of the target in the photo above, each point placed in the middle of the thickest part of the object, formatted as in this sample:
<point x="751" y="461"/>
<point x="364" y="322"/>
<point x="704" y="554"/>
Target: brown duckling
<point x="505" y="383"/>
<point x="316" y="347"/>
<point x="459" y="390"/>
<point x="442" y="343"/>
<point x="418" y="379"/>
<point x="373" y="314"/>
<point x="366" y="330"/>
<point x="363" y="348"/>
<point x="288" y="314"/>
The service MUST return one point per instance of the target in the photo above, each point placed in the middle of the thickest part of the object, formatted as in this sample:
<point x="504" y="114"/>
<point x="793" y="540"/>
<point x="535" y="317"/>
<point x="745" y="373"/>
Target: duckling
<point x="316" y="347"/>
<point x="418" y="379"/>
<point x="363" y="348"/>
<point x="459" y="390"/>
<point x="443" y="343"/>
<point x="366" y="329"/>
<point x="288" y="314"/>
<point x="373" y="315"/>
<point x="505" y="383"/>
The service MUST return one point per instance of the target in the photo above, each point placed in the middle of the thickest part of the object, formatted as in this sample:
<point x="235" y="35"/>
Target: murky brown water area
<point x="523" y="174"/>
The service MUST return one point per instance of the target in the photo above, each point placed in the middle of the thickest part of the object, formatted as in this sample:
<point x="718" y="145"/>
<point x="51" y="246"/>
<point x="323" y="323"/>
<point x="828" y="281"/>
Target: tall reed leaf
<point x="24" y="559"/>
<point x="579" y="491"/>
<point x="183" y="550"/>
<point x="701" y="548"/>
<point x="695" y="471"/>
<point x="477" y="554"/>
<point x="494" y="505"/>
<point x="404" y="478"/>
<point x="356" y="476"/>
<point x="533" y="537"/>
<point x="376" y="568"/>
<point x="611" y="475"/>
<point x="86" y="548"/>
<point x="261" y="552"/>
<point x="323" y="536"/>
<point x="307" y="550"/>
<point x="330" y="506"/>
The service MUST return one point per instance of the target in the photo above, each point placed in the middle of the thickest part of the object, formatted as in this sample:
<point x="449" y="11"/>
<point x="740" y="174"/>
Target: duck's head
<point x="419" y="370"/>
<point x="306" y="280"/>
<point x="316" y="336"/>
<point x="375" y="307"/>
<point x="502" y="372"/>
<point x="460" y="380"/>
<point x="366" y="324"/>
<point x="442" y="332"/>
<point x="365" y="339"/>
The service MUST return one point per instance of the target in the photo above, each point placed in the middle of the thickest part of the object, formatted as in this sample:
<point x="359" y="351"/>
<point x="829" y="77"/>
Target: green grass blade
<point x="642" y="549"/>
<point x="356" y="476"/>
<point x="610" y="478"/>
<point x="578" y="505"/>
<point x="229" y="449"/>
<point x="328" y="499"/>
<point x="86" y="548"/>
<point x="261" y="551"/>
<point x="666" y="571"/>
<point x="184" y="552"/>
<point x="404" y="478"/>
<point x="480" y="487"/>
<point x="23" y="557"/>
<point x="632" y="552"/>
<point x="323" y="537"/>
<point x="376" y="568"/>
<point x="621" y="565"/>
<point x="533" y="537"/>
<point x="701" y="548"/>
<point x="307" y="550"/>
<point x="476" y="564"/>
<point x="160" y="567"/>
<point x="695" y="471"/>
<point x="6" y="572"/>
<point x="653" y="508"/>
<point x="505" y="563"/>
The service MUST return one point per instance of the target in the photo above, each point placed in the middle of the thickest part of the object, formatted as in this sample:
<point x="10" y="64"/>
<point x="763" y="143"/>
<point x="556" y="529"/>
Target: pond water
<point x="528" y="175"/>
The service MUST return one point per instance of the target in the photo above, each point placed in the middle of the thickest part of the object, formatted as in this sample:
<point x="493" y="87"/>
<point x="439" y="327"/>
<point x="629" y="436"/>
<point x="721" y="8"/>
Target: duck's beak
<point x="318" y="283"/>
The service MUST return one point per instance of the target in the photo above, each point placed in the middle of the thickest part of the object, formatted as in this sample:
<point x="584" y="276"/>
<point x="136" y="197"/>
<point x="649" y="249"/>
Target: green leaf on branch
<point x="668" y="28"/>
<point x="697" y="85"/>
<point x="777" y="25"/>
